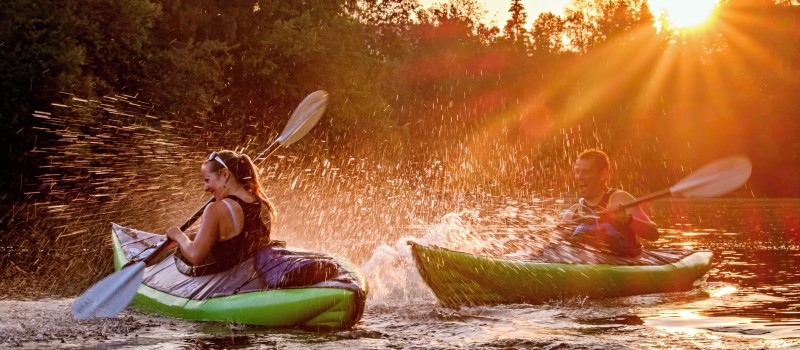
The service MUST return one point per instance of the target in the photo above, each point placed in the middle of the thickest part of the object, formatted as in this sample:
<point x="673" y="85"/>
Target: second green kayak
<point x="458" y="278"/>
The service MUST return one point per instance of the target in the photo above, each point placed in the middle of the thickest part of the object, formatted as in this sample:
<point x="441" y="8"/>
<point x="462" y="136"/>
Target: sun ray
<point x="685" y="14"/>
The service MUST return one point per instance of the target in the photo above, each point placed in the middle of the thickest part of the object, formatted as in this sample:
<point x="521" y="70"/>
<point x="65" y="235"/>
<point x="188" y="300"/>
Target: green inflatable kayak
<point x="276" y="291"/>
<point x="458" y="278"/>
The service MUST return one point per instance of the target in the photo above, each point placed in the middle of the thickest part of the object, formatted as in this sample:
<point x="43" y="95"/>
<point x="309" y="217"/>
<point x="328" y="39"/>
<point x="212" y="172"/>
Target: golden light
<point x="684" y="14"/>
<point x="719" y="292"/>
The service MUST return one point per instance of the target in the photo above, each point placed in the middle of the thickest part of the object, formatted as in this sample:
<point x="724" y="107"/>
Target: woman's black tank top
<point x="254" y="236"/>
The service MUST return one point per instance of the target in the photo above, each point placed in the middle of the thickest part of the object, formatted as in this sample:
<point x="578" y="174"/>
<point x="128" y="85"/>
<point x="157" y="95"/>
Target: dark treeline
<point x="403" y="78"/>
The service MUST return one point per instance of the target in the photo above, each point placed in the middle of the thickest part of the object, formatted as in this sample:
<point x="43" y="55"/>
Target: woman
<point x="232" y="229"/>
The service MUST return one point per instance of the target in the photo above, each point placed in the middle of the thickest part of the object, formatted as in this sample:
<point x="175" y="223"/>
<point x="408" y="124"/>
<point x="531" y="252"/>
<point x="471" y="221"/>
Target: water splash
<point x="391" y="271"/>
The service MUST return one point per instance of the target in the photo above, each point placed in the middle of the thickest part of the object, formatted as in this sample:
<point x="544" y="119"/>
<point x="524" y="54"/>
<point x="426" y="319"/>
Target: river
<point x="750" y="299"/>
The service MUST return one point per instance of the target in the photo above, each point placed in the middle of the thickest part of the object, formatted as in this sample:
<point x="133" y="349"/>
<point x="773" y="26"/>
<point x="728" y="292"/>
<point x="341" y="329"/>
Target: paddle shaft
<point x="655" y="195"/>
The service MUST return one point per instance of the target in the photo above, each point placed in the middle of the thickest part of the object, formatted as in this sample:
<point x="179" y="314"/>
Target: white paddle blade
<point x="715" y="178"/>
<point x="304" y="117"/>
<point x="111" y="295"/>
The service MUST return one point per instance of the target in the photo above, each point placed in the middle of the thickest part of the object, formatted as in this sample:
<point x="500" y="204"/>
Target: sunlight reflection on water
<point x="690" y="322"/>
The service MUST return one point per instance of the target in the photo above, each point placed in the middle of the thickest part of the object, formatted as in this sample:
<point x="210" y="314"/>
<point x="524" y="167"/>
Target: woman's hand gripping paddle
<point x="112" y="294"/>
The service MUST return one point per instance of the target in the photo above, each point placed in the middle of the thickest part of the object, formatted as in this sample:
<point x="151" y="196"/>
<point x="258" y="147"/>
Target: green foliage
<point x="83" y="48"/>
<point x="188" y="80"/>
<point x="39" y="57"/>
<point x="116" y="37"/>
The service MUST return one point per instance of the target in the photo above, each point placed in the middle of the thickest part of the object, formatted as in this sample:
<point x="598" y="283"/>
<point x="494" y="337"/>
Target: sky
<point x="498" y="9"/>
<point x="681" y="13"/>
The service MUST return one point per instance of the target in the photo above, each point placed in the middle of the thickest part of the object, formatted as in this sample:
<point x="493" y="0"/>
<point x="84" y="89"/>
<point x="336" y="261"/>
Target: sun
<point x="685" y="14"/>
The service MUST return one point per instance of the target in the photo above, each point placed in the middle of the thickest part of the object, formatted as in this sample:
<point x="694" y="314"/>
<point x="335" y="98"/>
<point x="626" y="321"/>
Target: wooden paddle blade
<point x="111" y="295"/>
<point x="715" y="179"/>
<point x="304" y="117"/>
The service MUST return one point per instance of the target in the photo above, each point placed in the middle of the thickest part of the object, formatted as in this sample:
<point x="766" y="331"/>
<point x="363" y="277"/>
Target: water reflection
<point x="692" y="322"/>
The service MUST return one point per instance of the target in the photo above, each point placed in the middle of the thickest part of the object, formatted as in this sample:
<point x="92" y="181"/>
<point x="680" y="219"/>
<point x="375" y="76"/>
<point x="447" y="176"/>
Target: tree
<point x="615" y="17"/>
<point x="86" y="49"/>
<point x="514" y="30"/>
<point x="590" y="23"/>
<point x="71" y="47"/>
<point x="116" y="37"/>
<point x="579" y="30"/>
<point x="188" y="80"/>
<point x="548" y="34"/>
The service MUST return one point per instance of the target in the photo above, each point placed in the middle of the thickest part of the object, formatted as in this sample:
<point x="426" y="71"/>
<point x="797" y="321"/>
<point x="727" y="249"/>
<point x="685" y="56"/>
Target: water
<point x="141" y="171"/>
<point x="749" y="300"/>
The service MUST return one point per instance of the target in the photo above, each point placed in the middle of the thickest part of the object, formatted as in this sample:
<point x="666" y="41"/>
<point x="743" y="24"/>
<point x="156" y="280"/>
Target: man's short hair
<point x="600" y="158"/>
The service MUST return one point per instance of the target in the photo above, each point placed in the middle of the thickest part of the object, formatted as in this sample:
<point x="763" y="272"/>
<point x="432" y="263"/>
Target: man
<point x="597" y="218"/>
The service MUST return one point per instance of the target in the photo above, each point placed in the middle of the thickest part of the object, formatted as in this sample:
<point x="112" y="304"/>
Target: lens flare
<point x="685" y="14"/>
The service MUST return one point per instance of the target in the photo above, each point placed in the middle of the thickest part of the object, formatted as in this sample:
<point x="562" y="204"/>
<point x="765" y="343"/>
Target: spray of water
<point x="109" y="160"/>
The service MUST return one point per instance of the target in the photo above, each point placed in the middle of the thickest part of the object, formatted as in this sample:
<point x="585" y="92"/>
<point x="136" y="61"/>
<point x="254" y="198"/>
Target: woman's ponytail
<point x="245" y="173"/>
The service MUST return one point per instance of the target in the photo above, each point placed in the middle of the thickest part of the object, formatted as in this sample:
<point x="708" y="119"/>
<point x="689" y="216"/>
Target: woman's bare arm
<point x="197" y="250"/>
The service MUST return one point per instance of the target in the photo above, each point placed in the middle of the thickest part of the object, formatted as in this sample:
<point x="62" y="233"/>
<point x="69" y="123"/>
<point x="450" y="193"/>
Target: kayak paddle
<point x="713" y="179"/>
<point x="112" y="294"/>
